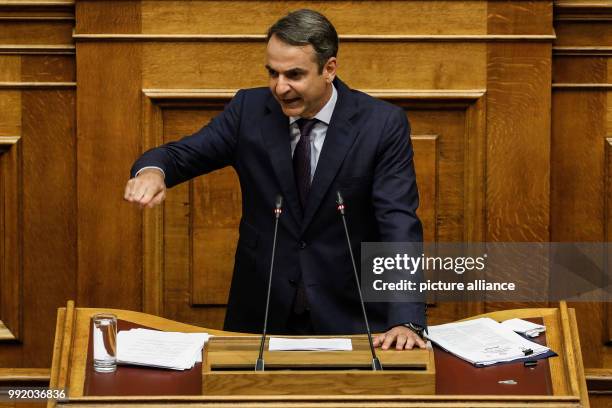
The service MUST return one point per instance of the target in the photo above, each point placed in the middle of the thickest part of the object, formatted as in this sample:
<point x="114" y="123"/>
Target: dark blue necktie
<point x="301" y="170"/>
<point x="301" y="159"/>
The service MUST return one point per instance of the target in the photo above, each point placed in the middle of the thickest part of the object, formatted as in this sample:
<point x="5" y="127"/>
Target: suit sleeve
<point x="210" y="148"/>
<point x="396" y="199"/>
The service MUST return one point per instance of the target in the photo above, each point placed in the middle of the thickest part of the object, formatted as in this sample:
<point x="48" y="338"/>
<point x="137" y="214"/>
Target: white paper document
<point x="284" y="344"/>
<point x="483" y="341"/>
<point x="152" y="348"/>
<point x="524" y="327"/>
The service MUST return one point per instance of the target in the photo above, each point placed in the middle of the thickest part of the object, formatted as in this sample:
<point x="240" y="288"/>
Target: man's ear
<point x="329" y="70"/>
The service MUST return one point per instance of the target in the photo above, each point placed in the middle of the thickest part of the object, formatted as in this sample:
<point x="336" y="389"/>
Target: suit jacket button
<point x="302" y="245"/>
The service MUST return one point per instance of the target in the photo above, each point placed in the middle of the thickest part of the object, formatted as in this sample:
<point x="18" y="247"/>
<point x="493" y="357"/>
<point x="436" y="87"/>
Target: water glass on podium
<point x="105" y="342"/>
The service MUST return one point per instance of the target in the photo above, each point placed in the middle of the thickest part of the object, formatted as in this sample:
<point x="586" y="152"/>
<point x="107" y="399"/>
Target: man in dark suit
<point x="305" y="137"/>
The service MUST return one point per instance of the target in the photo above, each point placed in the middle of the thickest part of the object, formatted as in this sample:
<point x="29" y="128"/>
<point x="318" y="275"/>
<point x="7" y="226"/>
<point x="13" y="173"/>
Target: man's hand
<point x="403" y="337"/>
<point x="147" y="189"/>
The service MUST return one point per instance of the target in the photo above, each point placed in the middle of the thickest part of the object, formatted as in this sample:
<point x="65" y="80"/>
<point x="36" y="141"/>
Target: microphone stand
<point x="376" y="366"/>
<point x="259" y="364"/>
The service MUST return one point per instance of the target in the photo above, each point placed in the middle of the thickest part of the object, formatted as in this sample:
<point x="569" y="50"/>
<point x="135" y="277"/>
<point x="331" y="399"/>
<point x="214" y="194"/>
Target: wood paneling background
<point x="510" y="104"/>
<point x="38" y="195"/>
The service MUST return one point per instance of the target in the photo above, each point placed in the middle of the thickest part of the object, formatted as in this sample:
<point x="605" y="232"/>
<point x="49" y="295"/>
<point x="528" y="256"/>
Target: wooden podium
<point x="229" y="370"/>
<point x="224" y="379"/>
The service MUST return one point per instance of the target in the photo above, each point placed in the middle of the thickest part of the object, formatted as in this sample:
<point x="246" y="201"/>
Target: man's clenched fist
<point x="147" y="189"/>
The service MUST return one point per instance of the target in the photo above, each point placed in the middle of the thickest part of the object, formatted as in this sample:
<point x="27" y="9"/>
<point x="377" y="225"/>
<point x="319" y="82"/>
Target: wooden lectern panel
<point x="567" y="387"/>
<point x="229" y="363"/>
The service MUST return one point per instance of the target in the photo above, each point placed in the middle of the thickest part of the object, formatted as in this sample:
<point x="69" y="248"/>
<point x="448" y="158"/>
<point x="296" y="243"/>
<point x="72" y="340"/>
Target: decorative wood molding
<point x="63" y="345"/>
<point x="160" y="95"/>
<point x="37" y="85"/>
<point x="430" y="177"/>
<point x="608" y="192"/>
<point x="36" y="18"/>
<point x="6" y="142"/>
<point x="579" y="11"/>
<point x="29" y="375"/>
<point x="582" y="51"/>
<point x="5" y="333"/>
<point x="19" y="49"/>
<point x="152" y="220"/>
<point x="607" y="240"/>
<point x="26" y="3"/>
<point x="11" y="239"/>
<point x="36" y="10"/>
<point x="582" y="87"/>
<point x="343" y="38"/>
<point x="467" y="95"/>
<point x="599" y="380"/>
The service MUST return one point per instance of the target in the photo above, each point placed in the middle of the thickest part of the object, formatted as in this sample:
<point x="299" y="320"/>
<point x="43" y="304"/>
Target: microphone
<point x="278" y="209"/>
<point x="376" y="366"/>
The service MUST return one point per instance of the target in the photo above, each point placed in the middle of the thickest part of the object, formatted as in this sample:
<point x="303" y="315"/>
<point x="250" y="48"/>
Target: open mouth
<point x="290" y="101"/>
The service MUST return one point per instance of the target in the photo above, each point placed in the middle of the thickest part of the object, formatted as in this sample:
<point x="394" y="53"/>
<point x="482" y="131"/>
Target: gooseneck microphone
<point x="376" y="366"/>
<point x="278" y="209"/>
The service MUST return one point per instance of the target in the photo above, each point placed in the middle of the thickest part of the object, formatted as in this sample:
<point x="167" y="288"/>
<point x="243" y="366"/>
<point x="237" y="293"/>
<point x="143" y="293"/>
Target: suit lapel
<point x="275" y="134"/>
<point x="339" y="138"/>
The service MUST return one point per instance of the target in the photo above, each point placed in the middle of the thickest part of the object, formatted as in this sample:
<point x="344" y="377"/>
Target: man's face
<point x="295" y="81"/>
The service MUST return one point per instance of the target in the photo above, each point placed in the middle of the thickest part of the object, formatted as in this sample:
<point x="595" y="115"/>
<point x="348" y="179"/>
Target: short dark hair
<point x="303" y="27"/>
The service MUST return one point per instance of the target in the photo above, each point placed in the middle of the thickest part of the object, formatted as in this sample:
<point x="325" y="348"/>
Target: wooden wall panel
<point x="34" y="32"/>
<point x="11" y="238"/>
<point x="426" y="157"/>
<point x="120" y="16"/>
<point x="449" y="125"/>
<point x="518" y="136"/>
<point x="518" y="142"/>
<point x="10" y="105"/>
<point x="577" y="194"/>
<point x="11" y="219"/>
<point x="48" y="68"/>
<point x="430" y="66"/>
<point x="38" y="223"/>
<point x="191" y="222"/>
<point x="217" y="207"/>
<point x="254" y="17"/>
<point x="11" y="278"/>
<point x="208" y="212"/>
<point x="10" y="67"/>
<point x="583" y="33"/>
<point x="49" y="214"/>
<point x="577" y="179"/>
<point x="581" y="100"/>
<point x="519" y="17"/>
<point x="109" y="138"/>
<point x="587" y="69"/>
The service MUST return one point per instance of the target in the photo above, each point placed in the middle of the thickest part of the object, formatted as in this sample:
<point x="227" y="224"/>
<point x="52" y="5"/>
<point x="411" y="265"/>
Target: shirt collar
<point x="325" y="114"/>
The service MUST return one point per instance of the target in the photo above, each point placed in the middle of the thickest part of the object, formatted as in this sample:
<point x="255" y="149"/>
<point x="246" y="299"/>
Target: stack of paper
<point x="282" y="344"/>
<point x="483" y="341"/>
<point x="152" y="348"/>
<point x="524" y="327"/>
